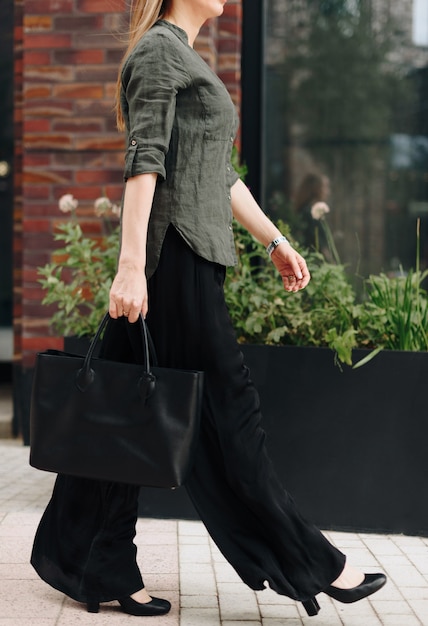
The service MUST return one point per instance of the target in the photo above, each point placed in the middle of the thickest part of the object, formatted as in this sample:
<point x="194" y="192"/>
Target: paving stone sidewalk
<point x="181" y="563"/>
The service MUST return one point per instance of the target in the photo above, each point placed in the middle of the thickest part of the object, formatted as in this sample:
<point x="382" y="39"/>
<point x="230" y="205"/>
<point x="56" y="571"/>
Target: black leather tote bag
<point x="121" y="422"/>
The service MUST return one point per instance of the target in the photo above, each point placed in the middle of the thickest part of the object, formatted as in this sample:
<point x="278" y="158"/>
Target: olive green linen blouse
<point x="181" y="124"/>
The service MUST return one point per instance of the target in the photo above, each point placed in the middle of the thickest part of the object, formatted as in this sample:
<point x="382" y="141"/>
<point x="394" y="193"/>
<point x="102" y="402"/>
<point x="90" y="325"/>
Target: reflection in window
<point x="420" y="22"/>
<point x="345" y="122"/>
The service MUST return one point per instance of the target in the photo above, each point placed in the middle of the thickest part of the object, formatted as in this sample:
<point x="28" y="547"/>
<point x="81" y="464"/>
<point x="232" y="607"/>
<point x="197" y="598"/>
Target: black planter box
<point x="351" y="446"/>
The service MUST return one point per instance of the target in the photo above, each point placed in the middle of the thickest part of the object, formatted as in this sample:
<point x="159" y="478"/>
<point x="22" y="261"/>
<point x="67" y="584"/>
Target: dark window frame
<point x="252" y="93"/>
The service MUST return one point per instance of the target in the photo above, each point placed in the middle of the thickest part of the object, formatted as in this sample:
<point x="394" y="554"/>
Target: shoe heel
<point x="93" y="606"/>
<point x="311" y="606"/>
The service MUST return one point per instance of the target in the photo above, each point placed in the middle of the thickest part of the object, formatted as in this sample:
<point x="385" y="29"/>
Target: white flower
<point x="319" y="209"/>
<point x="102" y="206"/>
<point x="115" y="209"/>
<point x="67" y="203"/>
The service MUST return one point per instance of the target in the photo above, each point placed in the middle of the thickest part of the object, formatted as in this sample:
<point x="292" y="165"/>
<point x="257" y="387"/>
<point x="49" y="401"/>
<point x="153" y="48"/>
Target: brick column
<point x="70" y="61"/>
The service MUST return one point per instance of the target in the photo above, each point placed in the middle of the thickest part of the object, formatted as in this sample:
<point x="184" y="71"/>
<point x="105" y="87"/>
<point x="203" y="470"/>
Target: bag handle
<point x="148" y="345"/>
<point x="86" y="375"/>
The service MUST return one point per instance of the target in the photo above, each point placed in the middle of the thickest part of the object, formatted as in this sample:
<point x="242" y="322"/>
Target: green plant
<point x="262" y="312"/>
<point x="79" y="277"/>
<point x="318" y="212"/>
<point x="393" y="315"/>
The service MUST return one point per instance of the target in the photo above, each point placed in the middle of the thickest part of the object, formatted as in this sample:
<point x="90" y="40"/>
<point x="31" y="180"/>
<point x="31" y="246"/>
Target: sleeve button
<point x="133" y="142"/>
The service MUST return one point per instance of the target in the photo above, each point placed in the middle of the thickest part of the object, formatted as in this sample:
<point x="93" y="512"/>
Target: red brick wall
<point x="229" y="39"/>
<point x="71" y="52"/>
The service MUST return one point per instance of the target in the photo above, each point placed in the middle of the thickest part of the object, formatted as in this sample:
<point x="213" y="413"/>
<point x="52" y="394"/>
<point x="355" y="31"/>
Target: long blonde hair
<point x="144" y="13"/>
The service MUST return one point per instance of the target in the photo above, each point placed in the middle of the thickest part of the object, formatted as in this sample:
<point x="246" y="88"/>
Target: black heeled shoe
<point x="156" y="606"/>
<point x="311" y="606"/>
<point x="370" y="584"/>
<point x="93" y="606"/>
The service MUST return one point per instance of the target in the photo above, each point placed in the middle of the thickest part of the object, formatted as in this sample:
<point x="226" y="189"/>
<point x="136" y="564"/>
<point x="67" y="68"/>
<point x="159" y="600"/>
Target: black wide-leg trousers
<point x="232" y="485"/>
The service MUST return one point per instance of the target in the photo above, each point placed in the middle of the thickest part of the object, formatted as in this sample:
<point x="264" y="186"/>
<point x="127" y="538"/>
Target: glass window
<point x="345" y="121"/>
<point x="420" y="22"/>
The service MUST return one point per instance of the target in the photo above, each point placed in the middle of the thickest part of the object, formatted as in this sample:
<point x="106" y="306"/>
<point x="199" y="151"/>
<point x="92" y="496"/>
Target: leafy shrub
<point x="262" y="312"/>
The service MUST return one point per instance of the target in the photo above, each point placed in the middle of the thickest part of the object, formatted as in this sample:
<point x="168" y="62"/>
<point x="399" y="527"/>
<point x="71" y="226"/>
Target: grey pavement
<point x="180" y="562"/>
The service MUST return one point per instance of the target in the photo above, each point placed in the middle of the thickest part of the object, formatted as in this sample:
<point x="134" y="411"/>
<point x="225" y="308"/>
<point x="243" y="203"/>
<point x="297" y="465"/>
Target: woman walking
<point x="180" y="196"/>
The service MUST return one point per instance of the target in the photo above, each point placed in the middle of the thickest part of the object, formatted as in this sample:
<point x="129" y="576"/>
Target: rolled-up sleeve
<point x="151" y="79"/>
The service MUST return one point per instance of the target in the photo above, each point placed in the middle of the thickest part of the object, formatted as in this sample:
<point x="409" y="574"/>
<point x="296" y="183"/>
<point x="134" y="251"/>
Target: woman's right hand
<point x="128" y="294"/>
